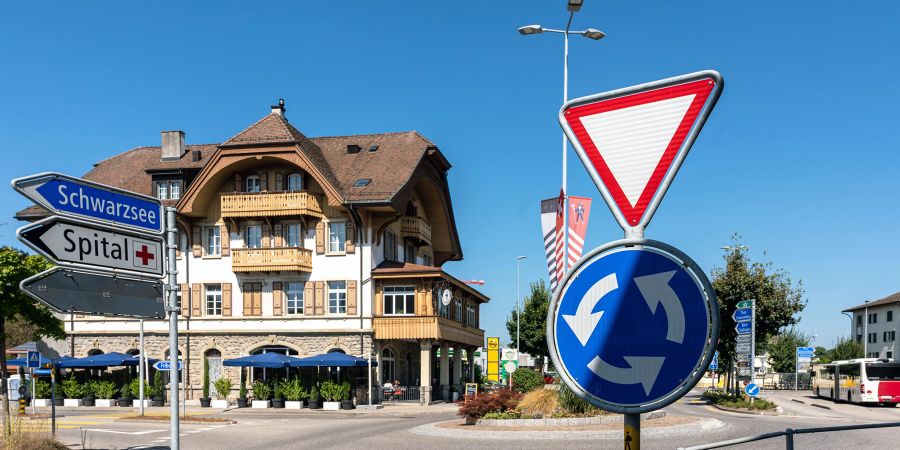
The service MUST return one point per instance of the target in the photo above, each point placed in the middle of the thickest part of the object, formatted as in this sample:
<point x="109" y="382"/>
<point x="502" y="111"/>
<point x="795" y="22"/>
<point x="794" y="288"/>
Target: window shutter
<point x="320" y="238"/>
<point x="320" y="298"/>
<point x="279" y="181"/>
<point x="277" y="298"/>
<point x="196" y="248"/>
<point x="351" y="237"/>
<point x="185" y="309"/>
<point x="279" y="233"/>
<point x="263" y="182"/>
<point x="309" y="307"/>
<point x="226" y="299"/>
<point x="256" y="298"/>
<point x="266" y="235"/>
<point x="248" y="299"/>
<point x="226" y="241"/>
<point x="196" y="300"/>
<point x="351" y="297"/>
<point x="238" y="183"/>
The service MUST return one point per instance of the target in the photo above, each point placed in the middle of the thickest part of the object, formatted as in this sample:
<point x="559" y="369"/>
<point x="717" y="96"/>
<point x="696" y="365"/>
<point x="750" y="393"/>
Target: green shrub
<point x="205" y="378"/>
<point x="500" y="400"/>
<point x="506" y="415"/>
<point x="331" y="391"/>
<point x="525" y="380"/>
<point x="572" y="403"/>
<point x="88" y="386"/>
<point x="223" y="388"/>
<point x="104" y="389"/>
<point x="345" y="390"/>
<point x="276" y="389"/>
<point x="125" y="390"/>
<point x="261" y="390"/>
<point x="314" y="394"/>
<point x="72" y="388"/>
<point x="730" y="400"/>
<point x="242" y="392"/>
<point x="158" y="386"/>
<point x="135" y="388"/>
<point x="41" y="389"/>
<point x="293" y="390"/>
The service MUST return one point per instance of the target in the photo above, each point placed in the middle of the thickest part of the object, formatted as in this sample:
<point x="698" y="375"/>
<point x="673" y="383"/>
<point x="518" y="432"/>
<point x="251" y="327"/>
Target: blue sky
<point x="800" y="156"/>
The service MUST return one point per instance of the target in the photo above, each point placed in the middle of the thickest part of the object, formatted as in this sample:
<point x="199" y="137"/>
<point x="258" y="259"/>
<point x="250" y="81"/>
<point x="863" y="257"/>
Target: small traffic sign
<point x="744" y="327"/>
<point x="743" y="363"/>
<point x="741" y="338"/>
<point x="34" y="359"/>
<point x="632" y="141"/>
<point x="742" y="356"/>
<point x="752" y="390"/>
<point x="42" y="372"/>
<point x="594" y="342"/>
<point x="74" y="291"/>
<point x="75" y="197"/>
<point x="745" y="304"/>
<point x="76" y="243"/>
<point x="806" y="352"/>
<point x="165" y="366"/>
<point x="742" y="315"/>
<point x="742" y="347"/>
<point x="714" y="365"/>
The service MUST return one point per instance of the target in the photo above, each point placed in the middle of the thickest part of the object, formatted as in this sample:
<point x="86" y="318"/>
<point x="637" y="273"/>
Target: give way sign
<point x="633" y="140"/>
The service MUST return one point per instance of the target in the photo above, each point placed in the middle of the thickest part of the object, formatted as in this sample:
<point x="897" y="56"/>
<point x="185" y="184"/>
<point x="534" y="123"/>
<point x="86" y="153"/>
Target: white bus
<point x="863" y="380"/>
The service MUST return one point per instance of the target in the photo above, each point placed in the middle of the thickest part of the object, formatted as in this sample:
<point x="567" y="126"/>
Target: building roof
<point x="394" y="269"/>
<point x="890" y="299"/>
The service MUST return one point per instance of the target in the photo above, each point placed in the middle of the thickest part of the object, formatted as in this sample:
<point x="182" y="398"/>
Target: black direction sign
<point x="76" y="243"/>
<point x="74" y="291"/>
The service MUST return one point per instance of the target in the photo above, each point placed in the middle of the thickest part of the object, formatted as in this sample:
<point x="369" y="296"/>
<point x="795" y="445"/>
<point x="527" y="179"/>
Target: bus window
<point x="850" y="372"/>
<point x="881" y="371"/>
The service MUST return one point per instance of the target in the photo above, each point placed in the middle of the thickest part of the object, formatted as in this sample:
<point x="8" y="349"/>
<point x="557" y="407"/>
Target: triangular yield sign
<point x="632" y="141"/>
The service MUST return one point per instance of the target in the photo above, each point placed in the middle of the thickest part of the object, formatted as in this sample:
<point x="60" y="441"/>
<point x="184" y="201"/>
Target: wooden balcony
<point x="416" y="228"/>
<point x="428" y="327"/>
<point x="271" y="204"/>
<point x="285" y="259"/>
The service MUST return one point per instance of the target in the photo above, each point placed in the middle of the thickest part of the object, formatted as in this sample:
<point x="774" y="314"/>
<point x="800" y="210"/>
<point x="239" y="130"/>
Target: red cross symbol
<point x="144" y="255"/>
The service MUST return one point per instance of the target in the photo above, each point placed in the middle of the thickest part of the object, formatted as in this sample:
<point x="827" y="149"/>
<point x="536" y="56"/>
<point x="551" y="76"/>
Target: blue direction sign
<point x="805" y="352"/>
<point x="632" y="325"/>
<point x="714" y="365"/>
<point x="165" y="366"/>
<point x="34" y="359"/>
<point x="42" y="372"/>
<point x="742" y="315"/>
<point x="744" y="327"/>
<point x="74" y="197"/>
<point x="752" y="389"/>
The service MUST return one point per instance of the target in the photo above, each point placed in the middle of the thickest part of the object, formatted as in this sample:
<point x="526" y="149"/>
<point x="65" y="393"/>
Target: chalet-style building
<point x="303" y="246"/>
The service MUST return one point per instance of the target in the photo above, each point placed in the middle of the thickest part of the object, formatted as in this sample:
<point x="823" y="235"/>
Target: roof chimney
<point x="279" y="108"/>
<point x="172" y="144"/>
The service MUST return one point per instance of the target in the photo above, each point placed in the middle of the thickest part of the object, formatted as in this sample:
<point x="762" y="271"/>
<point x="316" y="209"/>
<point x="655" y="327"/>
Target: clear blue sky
<point x="800" y="156"/>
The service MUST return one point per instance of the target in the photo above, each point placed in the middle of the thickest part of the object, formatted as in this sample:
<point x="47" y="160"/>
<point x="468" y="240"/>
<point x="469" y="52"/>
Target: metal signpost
<point x="34" y="362"/>
<point x="804" y="358"/>
<point x="632" y="142"/>
<point x="745" y="345"/>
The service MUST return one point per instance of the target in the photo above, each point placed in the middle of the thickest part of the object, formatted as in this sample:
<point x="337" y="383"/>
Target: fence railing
<point x="789" y="435"/>
<point x="397" y="394"/>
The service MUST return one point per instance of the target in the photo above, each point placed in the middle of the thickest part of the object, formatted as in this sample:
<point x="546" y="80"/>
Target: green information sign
<point x="745" y="304"/>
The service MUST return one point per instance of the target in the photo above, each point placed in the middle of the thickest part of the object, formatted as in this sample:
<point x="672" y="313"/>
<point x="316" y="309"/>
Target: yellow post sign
<point x="493" y="358"/>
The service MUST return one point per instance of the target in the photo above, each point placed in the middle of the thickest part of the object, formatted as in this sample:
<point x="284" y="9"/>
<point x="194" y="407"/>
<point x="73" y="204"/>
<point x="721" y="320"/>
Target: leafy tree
<point x="823" y="355"/>
<point x="533" y="327"/>
<point x="778" y="299"/>
<point x="846" y="348"/>
<point x="783" y="349"/>
<point x="15" y="266"/>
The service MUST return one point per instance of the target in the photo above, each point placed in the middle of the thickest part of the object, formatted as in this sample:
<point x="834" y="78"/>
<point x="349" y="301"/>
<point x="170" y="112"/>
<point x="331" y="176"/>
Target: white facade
<point x="876" y="328"/>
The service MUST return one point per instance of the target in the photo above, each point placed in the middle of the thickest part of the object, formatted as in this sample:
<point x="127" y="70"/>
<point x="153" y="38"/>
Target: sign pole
<point x="53" y="399"/>
<point x="752" y="344"/>
<point x="632" y="431"/>
<point x="173" y="327"/>
<point x="33" y="408"/>
<point x="141" y="371"/>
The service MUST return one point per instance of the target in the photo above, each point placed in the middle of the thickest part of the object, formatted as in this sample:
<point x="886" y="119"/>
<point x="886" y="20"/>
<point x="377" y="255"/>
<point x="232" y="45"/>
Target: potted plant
<point x="88" y="395"/>
<point x="294" y="394"/>
<point x="74" y="391"/>
<point x="136" y="393"/>
<point x="277" y="399"/>
<point x="331" y="392"/>
<point x="242" y="392"/>
<point x="41" y="393"/>
<point x="346" y="403"/>
<point x="105" y="390"/>
<point x="223" y="388"/>
<point x="315" y="402"/>
<point x="159" y="390"/>
<point x="125" y="398"/>
<point x="204" y="399"/>
<point x="262" y="393"/>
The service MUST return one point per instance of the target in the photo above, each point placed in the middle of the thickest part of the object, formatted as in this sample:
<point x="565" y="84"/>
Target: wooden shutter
<point x="320" y="237"/>
<point x="351" y="297"/>
<point x="351" y="237"/>
<point x="320" y="298"/>
<point x="257" y="299"/>
<point x="185" y="306"/>
<point x="248" y="300"/>
<point x="238" y="183"/>
<point x="226" y="241"/>
<point x="279" y="181"/>
<point x="196" y="300"/>
<point x="309" y="307"/>
<point x="263" y="182"/>
<point x="266" y="236"/>
<point x="196" y="248"/>
<point x="277" y="298"/>
<point x="279" y="235"/>
<point x="226" y="299"/>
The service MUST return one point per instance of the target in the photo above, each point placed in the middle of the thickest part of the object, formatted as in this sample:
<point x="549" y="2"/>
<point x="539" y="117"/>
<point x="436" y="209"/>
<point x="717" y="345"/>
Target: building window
<point x="443" y="310"/>
<point x="873" y="318"/>
<point x="254" y="236"/>
<point x="410" y="253"/>
<point x="890" y="316"/>
<point x="168" y="189"/>
<point x="889" y="336"/>
<point x="859" y="338"/>
<point x="252" y="183"/>
<point x="458" y="316"/>
<point x="337" y="297"/>
<point x="889" y="355"/>
<point x="213" y="241"/>
<point x="470" y="315"/>
<point x="337" y="236"/>
<point x="292" y="235"/>
<point x="387" y="366"/>
<point x="295" y="182"/>
<point x="873" y="355"/>
<point x="872" y="338"/>
<point x="390" y="246"/>
<point x="426" y="260"/>
<point x="213" y="299"/>
<point x="399" y="300"/>
<point x="293" y="292"/>
<point x="859" y="320"/>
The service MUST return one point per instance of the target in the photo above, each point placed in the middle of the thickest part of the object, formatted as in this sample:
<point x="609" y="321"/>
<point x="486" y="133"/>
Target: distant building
<point x="875" y="326"/>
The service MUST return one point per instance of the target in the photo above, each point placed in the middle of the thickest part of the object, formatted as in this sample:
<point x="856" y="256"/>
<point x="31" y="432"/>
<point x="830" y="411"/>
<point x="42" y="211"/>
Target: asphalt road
<point x="414" y="428"/>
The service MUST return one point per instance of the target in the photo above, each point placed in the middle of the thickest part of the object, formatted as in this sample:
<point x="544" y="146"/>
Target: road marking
<point x="135" y="433"/>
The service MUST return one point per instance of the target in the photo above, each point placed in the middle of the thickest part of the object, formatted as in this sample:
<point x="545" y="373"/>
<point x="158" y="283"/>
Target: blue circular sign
<point x="752" y="389"/>
<point x="634" y="326"/>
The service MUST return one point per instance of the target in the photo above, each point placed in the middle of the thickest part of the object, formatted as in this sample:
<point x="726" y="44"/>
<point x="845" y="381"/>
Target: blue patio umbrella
<point x="270" y="360"/>
<point x="335" y="359"/>
<point x="44" y="361"/>
<point x="113" y="359"/>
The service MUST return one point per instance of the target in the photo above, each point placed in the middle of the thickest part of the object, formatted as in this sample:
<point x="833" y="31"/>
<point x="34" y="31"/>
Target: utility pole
<point x="173" y="328"/>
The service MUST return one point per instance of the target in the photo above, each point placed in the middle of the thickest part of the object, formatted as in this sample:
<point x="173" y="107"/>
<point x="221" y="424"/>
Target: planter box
<point x="41" y="402"/>
<point x="331" y="406"/>
<point x="105" y="402"/>
<point x="261" y="404"/>
<point x="73" y="402"/>
<point x="137" y="403"/>
<point x="290" y="404"/>
<point x="220" y="404"/>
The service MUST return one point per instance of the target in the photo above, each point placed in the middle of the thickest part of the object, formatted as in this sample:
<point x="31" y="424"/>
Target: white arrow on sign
<point x="643" y="370"/>
<point x="655" y="289"/>
<point x="583" y="322"/>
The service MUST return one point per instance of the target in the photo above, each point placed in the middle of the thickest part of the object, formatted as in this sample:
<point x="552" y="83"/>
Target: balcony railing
<point x="426" y="327"/>
<point x="284" y="259"/>
<point x="271" y="204"/>
<point x="417" y="228"/>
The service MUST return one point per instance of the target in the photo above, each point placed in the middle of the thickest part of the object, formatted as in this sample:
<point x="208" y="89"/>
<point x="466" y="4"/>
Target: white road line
<point x="135" y="433"/>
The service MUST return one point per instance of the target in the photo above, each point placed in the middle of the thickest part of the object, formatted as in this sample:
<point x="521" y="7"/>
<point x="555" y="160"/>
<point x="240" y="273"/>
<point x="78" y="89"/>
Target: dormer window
<point x="252" y="183"/>
<point x="168" y="189"/>
<point x="295" y="182"/>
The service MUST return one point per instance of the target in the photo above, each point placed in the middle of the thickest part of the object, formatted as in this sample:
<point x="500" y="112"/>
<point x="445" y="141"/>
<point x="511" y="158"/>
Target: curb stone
<point x="566" y="421"/>
<point x="777" y="412"/>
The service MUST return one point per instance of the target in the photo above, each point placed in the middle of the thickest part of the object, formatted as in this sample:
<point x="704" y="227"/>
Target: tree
<point x="783" y="349"/>
<point x="846" y="348"/>
<point x="823" y="356"/>
<point x="533" y="327"/>
<point x="15" y="266"/>
<point x="778" y="299"/>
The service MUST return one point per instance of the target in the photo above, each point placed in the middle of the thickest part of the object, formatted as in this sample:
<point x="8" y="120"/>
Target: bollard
<point x="21" y="406"/>
<point x="789" y="439"/>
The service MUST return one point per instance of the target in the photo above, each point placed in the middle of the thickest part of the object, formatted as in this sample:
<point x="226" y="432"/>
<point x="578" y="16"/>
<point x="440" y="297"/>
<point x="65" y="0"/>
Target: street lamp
<point x="591" y="33"/>
<point x="518" y="295"/>
<point x="866" y="332"/>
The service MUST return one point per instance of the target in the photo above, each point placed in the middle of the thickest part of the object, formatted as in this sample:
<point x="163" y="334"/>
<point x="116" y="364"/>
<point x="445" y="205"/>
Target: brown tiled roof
<point x="890" y="299"/>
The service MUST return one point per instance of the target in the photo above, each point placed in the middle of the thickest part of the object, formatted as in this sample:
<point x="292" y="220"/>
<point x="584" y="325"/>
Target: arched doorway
<point x="214" y="364"/>
<point x="262" y="373"/>
<point x="388" y="374"/>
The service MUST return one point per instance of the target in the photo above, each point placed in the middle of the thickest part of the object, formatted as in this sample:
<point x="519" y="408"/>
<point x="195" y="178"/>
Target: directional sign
<point x="42" y="372"/>
<point x="744" y="338"/>
<point x="743" y="363"/>
<point x="742" y="347"/>
<point x="744" y="371"/>
<point x="78" y="243"/>
<point x="745" y="304"/>
<point x="742" y="315"/>
<point x="34" y="359"/>
<point x="744" y="327"/>
<point x="74" y="197"/>
<point x="74" y="291"/>
<point x="166" y="365"/>
<point x="632" y="141"/>
<point x="752" y="389"/>
<point x="714" y="365"/>
<point x="805" y="352"/>
<point x="632" y="324"/>
<point x="742" y="356"/>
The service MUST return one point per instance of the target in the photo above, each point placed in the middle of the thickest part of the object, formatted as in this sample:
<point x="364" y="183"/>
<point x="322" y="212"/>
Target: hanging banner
<point x="552" y="226"/>
<point x="579" y="212"/>
<point x="548" y="228"/>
